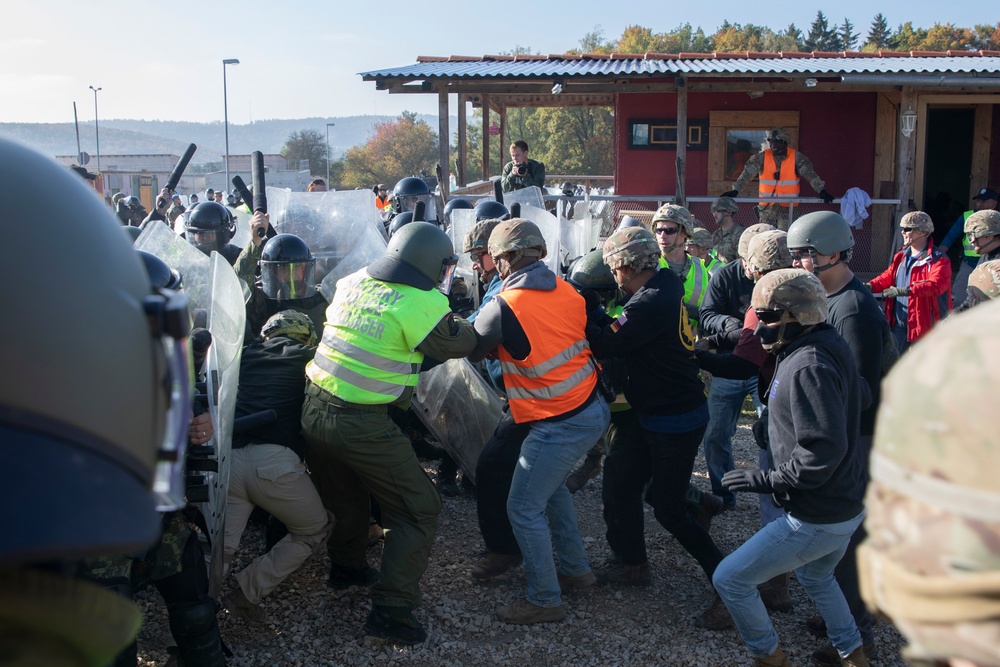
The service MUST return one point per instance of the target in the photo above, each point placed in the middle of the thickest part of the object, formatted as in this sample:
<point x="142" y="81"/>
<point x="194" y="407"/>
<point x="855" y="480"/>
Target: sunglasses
<point x="799" y="255"/>
<point x="669" y="231"/>
<point x="769" y="316"/>
<point x="476" y="256"/>
<point x="910" y="229"/>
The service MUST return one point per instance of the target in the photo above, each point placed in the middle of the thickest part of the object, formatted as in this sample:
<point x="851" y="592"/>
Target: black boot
<point x="196" y="631"/>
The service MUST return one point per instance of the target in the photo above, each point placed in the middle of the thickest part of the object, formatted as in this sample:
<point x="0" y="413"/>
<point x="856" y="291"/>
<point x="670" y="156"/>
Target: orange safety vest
<point x="557" y="375"/>
<point x="381" y="203"/>
<point x="787" y="182"/>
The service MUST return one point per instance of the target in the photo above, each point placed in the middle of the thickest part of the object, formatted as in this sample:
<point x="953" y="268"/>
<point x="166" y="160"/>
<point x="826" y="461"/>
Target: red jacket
<point x="930" y="290"/>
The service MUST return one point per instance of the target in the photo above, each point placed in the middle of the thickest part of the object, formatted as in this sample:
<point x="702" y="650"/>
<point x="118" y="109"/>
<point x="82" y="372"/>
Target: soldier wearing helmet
<point x="984" y="283"/>
<point x="822" y="242"/>
<point x="383" y="321"/>
<point x="176" y="208"/>
<point x="85" y="440"/>
<point x="382" y="200"/>
<point x="982" y="231"/>
<point x="210" y="226"/>
<point x="726" y="238"/>
<point x="931" y="564"/>
<point x="917" y="285"/>
<point x="987" y="199"/>
<point x="672" y="227"/>
<point x="817" y="475"/>
<point x="700" y="245"/>
<point x="654" y="338"/>
<point x="521" y="172"/>
<point x="408" y="192"/>
<point x="476" y="244"/>
<point x="778" y="169"/>
<point x="535" y="325"/>
<point x="491" y="209"/>
<point x="266" y="463"/>
<point x="565" y="207"/>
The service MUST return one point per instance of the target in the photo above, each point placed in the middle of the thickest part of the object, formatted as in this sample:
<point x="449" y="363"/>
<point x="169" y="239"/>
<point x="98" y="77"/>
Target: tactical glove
<point x="890" y="292"/>
<point x="826" y="197"/>
<point x="747" y="480"/>
<point x="730" y="193"/>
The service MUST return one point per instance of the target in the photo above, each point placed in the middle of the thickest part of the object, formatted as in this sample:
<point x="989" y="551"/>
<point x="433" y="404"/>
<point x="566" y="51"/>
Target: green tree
<point x="821" y="37"/>
<point x="306" y="145"/>
<point x="636" y="39"/>
<point x="907" y="38"/>
<point x="733" y="38"/>
<point x="848" y="38"/>
<point x="594" y="42"/>
<point x="947" y="37"/>
<point x="986" y="37"/>
<point x="397" y="149"/>
<point x="879" y="33"/>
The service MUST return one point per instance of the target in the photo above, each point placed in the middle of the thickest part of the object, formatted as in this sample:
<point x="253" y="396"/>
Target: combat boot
<point x="588" y="470"/>
<point x="238" y="605"/>
<point x="774" y="593"/>
<point x="857" y="658"/>
<point x="579" y="582"/>
<point x="526" y="613"/>
<point x="493" y="565"/>
<point x="397" y="624"/>
<point x="716" y="617"/>
<point x="342" y="578"/>
<point x="828" y="656"/>
<point x="776" y="659"/>
<point x="627" y="575"/>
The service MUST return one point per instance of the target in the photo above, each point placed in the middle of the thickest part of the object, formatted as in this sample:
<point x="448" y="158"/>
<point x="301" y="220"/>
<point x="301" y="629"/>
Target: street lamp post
<point x="328" y="126"/>
<point x="225" y="112"/>
<point x="97" y="129"/>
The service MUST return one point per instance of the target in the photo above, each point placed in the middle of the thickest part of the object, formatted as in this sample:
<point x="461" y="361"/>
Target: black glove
<point x="747" y="480"/>
<point x="826" y="197"/>
<point x="890" y="292"/>
<point x="730" y="193"/>
<point x="375" y="189"/>
<point x="592" y="298"/>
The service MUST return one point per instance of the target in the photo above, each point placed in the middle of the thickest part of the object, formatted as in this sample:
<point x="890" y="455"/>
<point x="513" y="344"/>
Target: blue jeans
<point x="813" y="551"/>
<point x="725" y="400"/>
<point x="539" y="500"/>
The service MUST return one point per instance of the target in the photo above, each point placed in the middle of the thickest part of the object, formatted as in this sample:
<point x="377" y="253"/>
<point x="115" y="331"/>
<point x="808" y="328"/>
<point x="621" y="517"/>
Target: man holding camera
<point x="521" y="172"/>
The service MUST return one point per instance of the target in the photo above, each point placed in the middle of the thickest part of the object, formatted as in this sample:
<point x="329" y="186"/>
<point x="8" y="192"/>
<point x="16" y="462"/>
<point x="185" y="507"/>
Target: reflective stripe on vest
<point x="967" y="247"/>
<point x="787" y="183"/>
<point x="695" y="280"/>
<point x="557" y="375"/>
<point x="368" y="351"/>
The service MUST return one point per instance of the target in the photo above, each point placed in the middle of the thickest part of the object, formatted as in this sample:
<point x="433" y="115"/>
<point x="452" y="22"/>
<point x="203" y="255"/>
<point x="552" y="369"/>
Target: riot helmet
<point x="491" y="209"/>
<point x="590" y="272"/>
<point x="420" y="255"/>
<point x="160" y="275"/>
<point x="408" y="192"/>
<point x="628" y="221"/>
<point x="209" y="226"/>
<point x="568" y="189"/>
<point x="132" y="232"/>
<point x="398" y="221"/>
<point x="84" y="425"/>
<point x="287" y="268"/>
<point x="292" y="324"/>
<point x="456" y="203"/>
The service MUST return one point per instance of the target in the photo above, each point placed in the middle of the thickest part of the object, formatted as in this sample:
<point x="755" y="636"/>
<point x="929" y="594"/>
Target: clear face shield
<point x="205" y="240"/>
<point x="448" y="268"/>
<point x="170" y="324"/>
<point x="288" y="280"/>
<point x="409" y="203"/>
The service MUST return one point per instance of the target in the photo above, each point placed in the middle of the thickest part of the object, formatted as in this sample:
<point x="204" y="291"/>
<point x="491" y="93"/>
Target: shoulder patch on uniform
<point x="619" y="323"/>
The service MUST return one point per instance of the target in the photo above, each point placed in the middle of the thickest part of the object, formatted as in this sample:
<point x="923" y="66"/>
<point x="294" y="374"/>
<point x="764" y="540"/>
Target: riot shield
<point x="342" y="229"/>
<point x="242" y="235"/>
<point x="226" y="321"/>
<point x="193" y="265"/>
<point x="579" y="235"/>
<point x="548" y="224"/>
<point x="531" y="196"/>
<point x="460" y="409"/>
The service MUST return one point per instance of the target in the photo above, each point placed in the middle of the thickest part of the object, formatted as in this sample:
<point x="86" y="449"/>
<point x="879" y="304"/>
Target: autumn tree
<point x="397" y="149"/>
<point x="306" y="145"/>
<point x="907" y="38"/>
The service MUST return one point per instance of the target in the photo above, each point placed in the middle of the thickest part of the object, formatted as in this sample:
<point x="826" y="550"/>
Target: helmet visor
<point x="447" y="274"/>
<point x="288" y="280"/>
<point x="204" y="240"/>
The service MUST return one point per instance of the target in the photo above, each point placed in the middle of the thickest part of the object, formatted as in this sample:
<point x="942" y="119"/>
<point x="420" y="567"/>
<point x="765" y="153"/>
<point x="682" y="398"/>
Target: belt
<point x="331" y="403"/>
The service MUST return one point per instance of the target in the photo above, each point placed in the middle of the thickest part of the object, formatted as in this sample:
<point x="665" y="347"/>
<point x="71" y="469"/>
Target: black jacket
<point x="726" y="300"/>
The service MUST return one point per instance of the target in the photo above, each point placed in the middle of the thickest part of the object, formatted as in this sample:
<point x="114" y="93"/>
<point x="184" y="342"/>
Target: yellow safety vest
<point x="967" y="247"/>
<point x="695" y="282"/>
<point x="368" y="352"/>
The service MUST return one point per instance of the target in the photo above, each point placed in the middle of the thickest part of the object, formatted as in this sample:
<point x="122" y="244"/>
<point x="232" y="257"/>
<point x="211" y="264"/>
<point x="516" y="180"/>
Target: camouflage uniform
<point x="932" y="559"/>
<point x="726" y="242"/>
<point x="777" y="215"/>
<point x="174" y="212"/>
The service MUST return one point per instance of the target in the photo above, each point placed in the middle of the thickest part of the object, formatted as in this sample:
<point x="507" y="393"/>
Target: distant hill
<point x="129" y="137"/>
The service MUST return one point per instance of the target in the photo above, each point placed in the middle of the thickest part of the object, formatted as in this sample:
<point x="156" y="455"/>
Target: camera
<point x="521" y="168"/>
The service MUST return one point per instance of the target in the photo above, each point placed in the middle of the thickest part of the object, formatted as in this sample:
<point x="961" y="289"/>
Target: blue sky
<point x="164" y="60"/>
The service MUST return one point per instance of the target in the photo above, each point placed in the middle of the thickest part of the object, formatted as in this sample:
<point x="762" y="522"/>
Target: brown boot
<point x="776" y="659"/>
<point x="569" y="584"/>
<point x="774" y="593"/>
<point x="587" y="471"/>
<point x="715" y="617"/>
<point x="627" y="575"/>
<point x="526" y="613"/>
<point x="238" y="605"/>
<point x="493" y="565"/>
<point x="857" y="658"/>
<point x="828" y="656"/>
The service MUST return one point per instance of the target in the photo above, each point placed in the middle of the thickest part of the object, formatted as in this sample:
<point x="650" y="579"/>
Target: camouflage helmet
<point x="749" y="233"/>
<point x="675" y="213"/>
<point x="590" y="272"/>
<point x="796" y="291"/>
<point x="701" y="237"/>
<point x="517" y="234"/>
<point x="825" y="232"/>
<point x="478" y="236"/>
<point x="768" y="251"/>
<point x="984" y="282"/>
<point x="727" y="204"/>
<point x="634" y="247"/>
<point x="931" y="562"/>
<point x="983" y="223"/>
<point x="290" y="323"/>
<point x="919" y="220"/>
<point x="779" y="134"/>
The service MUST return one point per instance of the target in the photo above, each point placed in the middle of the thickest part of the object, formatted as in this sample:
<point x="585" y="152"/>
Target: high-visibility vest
<point x="558" y="374"/>
<point x="381" y="203"/>
<point x="967" y="247"/>
<point x="368" y="351"/>
<point x="787" y="182"/>
<point x="695" y="281"/>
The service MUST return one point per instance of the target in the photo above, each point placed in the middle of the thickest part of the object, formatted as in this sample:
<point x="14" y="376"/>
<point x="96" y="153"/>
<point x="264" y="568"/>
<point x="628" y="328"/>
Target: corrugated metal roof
<point x="665" y="64"/>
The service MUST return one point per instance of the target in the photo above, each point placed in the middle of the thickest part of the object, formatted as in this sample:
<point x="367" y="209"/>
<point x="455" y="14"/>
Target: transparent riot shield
<point x="226" y="321"/>
<point x="531" y="196"/>
<point x="342" y="229"/>
<point x="193" y="265"/>
<point x="242" y="235"/>
<point x="459" y="408"/>
<point x="548" y="224"/>
<point x="463" y="220"/>
<point x="579" y="235"/>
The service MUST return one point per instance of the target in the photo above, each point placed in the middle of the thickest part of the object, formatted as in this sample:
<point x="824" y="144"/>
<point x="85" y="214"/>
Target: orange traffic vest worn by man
<point x="779" y="183"/>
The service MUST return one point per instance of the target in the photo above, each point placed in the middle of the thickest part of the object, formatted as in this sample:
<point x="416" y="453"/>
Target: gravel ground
<point x="310" y="624"/>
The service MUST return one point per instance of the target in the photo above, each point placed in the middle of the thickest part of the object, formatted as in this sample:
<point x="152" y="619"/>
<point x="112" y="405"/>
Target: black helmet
<point x="133" y="202"/>
<point x="420" y="255"/>
<point x="590" y="272"/>
<point x="132" y="232"/>
<point x="287" y="268"/>
<point x="209" y="226"/>
<point x="491" y="209"/>
<point x="160" y="275"/>
<point x="404" y="218"/>
<point x="457" y="202"/>
<point x="567" y="188"/>
<point x="628" y="221"/>
<point x="408" y="192"/>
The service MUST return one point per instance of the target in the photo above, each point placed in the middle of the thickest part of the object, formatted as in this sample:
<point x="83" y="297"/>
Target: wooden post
<point x="462" y="146"/>
<point x="907" y="149"/>
<point x="682" y="135"/>
<point x="883" y="217"/>
<point x="982" y="140"/>
<point x="486" y="137"/>
<point x="504" y="140"/>
<point x="444" y="143"/>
